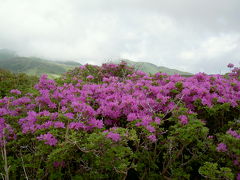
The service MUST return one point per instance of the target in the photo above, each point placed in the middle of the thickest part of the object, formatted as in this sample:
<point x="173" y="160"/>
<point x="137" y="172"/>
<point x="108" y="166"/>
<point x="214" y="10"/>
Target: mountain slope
<point x="33" y="65"/>
<point x="152" y="68"/>
<point x="36" y="66"/>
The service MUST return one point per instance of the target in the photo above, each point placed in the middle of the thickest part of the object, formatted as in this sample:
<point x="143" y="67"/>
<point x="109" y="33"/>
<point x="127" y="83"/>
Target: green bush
<point x="9" y="81"/>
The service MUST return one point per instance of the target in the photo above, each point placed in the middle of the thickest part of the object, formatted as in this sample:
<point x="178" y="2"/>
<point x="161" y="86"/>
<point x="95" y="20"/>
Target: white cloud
<point x="213" y="52"/>
<point x="213" y="47"/>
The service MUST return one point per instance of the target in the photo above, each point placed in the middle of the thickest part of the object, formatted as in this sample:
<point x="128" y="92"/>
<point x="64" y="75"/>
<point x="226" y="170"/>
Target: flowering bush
<point x="112" y="122"/>
<point x="18" y="83"/>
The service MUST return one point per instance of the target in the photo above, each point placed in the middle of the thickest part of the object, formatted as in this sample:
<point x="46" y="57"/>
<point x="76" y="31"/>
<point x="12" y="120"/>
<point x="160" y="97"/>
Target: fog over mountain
<point x="187" y="35"/>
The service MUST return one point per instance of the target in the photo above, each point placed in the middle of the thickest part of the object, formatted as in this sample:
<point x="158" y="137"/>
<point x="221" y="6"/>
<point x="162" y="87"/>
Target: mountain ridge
<point x="34" y="65"/>
<point x="9" y="60"/>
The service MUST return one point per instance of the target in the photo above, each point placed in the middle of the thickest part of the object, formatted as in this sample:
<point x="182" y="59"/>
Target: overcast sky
<point x="189" y="35"/>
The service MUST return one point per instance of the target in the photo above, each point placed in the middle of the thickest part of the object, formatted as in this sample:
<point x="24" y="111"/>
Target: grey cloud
<point x="178" y="34"/>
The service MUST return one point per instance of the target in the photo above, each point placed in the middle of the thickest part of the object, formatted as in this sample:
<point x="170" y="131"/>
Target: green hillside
<point x="34" y="66"/>
<point x="152" y="68"/>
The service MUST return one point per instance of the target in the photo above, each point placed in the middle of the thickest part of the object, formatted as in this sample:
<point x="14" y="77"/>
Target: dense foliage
<point x="21" y="81"/>
<point x="112" y="122"/>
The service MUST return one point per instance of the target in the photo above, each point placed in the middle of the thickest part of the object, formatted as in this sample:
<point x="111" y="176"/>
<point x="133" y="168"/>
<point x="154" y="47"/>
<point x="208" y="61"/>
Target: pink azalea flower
<point x="222" y="147"/>
<point x="183" y="119"/>
<point x="114" y="136"/>
<point x="48" y="139"/>
<point x="152" y="138"/>
<point x="15" y="91"/>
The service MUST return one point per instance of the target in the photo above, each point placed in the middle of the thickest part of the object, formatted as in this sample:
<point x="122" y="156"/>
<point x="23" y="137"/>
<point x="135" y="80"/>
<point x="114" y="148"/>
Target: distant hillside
<point x="34" y="66"/>
<point x="37" y="66"/>
<point x="69" y="63"/>
<point x="152" y="68"/>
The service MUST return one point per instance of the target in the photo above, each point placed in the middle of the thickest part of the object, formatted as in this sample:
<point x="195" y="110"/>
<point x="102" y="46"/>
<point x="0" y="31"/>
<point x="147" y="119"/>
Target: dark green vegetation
<point x="21" y="81"/>
<point x="152" y="68"/>
<point x="33" y="65"/>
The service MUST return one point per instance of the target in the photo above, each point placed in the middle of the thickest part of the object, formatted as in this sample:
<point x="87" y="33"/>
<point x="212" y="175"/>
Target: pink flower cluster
<point x="233" y="133"/>
<point x="48" y="139"/>
<point x="114" y="136"/>
<point x="183" y="119"/>
<point x="15" y="91"/>
<point x="58" y="164"/>
<point x="222" y="147"/>
<point x="6" y="132"/>
<point x="137" y="98"/>
<point x="238" y="176"/>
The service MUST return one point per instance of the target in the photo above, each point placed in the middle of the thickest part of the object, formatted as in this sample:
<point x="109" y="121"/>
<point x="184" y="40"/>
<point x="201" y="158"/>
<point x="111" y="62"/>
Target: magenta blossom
<point x="222" y="147"/>
<point x="114" y="136"/>
<point x="233" y="133"/>
<point x="236" y="162"/>
<point x="150" y="128"/>
<point x="69" y="115"/>
<point x="230" y="65"/>
<point x="57" y="164"/>
<point x="238" y="176"/>
<point x="131" y="117"/>
<point x="152" y="138"/>
<point x="210" y="137"/>
<point x="183" y="119"/>
<point x="90" y="77"/>
<point x="48" y="139"/>
<point x="15" y="91"/>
